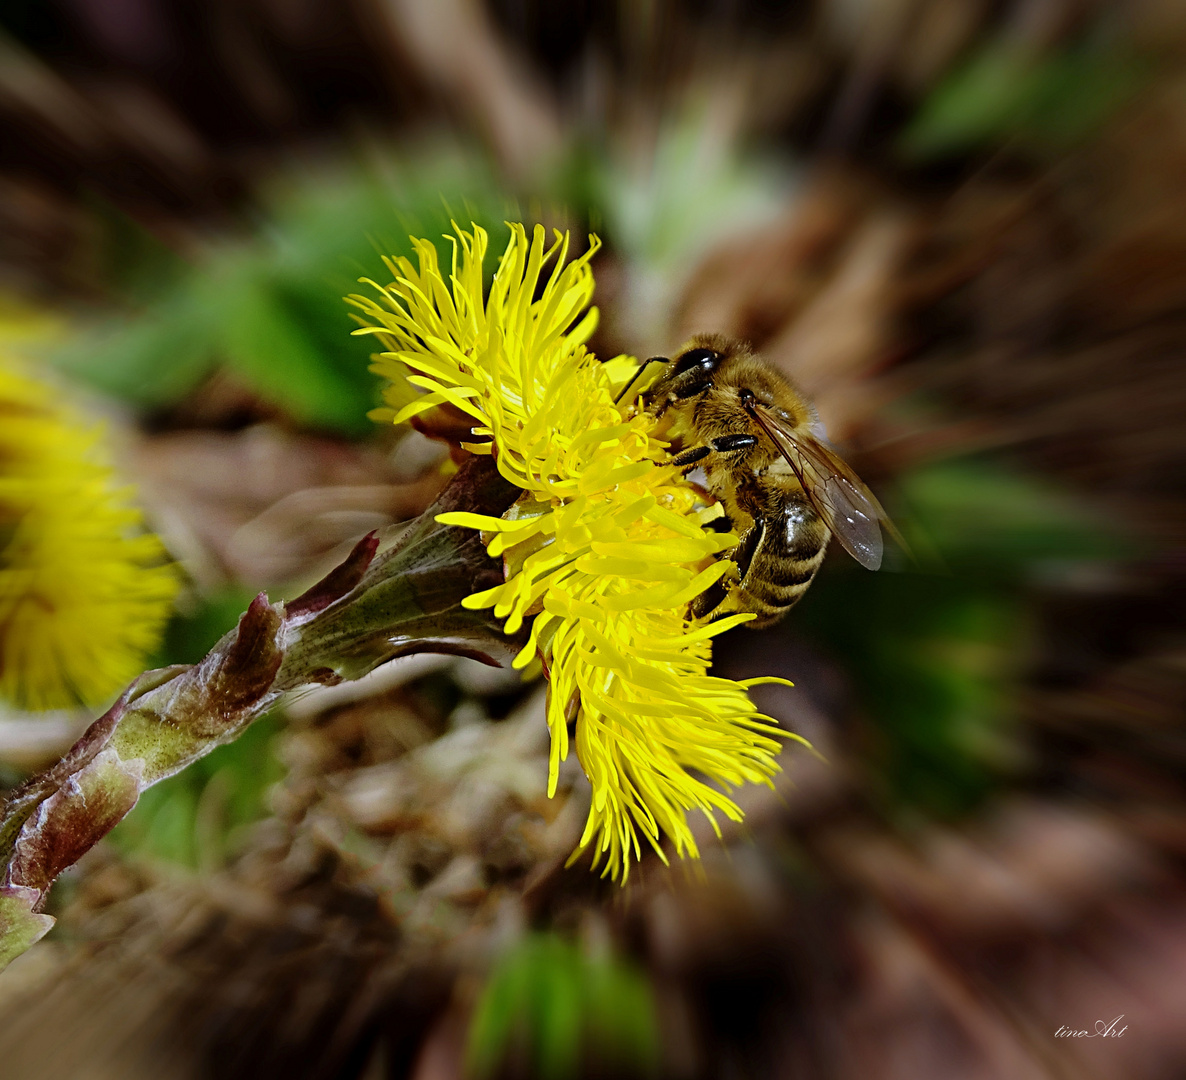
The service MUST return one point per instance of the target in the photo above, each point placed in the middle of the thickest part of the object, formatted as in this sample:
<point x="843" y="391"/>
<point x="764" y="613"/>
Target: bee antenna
<point x="634" y="378"/>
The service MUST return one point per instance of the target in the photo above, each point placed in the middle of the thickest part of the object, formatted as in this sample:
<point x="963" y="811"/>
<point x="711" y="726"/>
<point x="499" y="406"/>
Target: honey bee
<point x="783" y="490"/>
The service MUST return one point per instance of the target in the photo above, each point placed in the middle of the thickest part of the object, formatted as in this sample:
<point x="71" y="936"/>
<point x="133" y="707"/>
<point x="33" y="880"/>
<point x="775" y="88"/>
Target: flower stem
<point x="377" y="605"/>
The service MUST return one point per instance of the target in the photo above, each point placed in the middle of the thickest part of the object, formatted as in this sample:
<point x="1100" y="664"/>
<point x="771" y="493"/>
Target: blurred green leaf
<point x="1003" y="91"/>
<point x="935" y="652"/>
<point x="664" y="209"/>
<point x="268" y="346"/>
<point x="269" y="308"/>
<point x="135" y="263"/>
<point x="976" y="516"/>
<point x="555" y="992"/>
<point x="562" y="1014"/>
<point x="932" y="659"/>
<point x="150" y="361"/>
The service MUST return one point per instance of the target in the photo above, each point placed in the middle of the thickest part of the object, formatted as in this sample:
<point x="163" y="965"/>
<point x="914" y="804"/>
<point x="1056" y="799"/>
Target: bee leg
<point x="723" y="445"/>
<point x="690" y="457"/>
<point x="748" y="548"/>
<point x="714" y="596"/>
<point x="709" y="600"/>
<point x="738" y="441"/>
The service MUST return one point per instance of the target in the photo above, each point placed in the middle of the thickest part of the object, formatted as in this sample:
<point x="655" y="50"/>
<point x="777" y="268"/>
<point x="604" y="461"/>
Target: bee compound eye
<point x="703" y="359"/>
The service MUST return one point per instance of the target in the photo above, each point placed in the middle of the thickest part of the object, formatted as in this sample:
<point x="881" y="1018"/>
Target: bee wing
<point x="848" y="507"/>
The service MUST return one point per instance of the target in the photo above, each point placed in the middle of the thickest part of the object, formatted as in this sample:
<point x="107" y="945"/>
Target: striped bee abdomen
<point x="786" y="556"/>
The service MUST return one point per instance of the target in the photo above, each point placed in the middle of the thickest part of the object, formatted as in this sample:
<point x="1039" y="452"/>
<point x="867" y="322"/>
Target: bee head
<point x="689" y="374"/>
<point x="696" y="367"/>
<point x="758" y="384"/>
<point x="699" y="360"/>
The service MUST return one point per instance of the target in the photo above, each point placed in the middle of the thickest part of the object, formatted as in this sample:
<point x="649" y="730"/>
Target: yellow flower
<point x="604" y="550"/>
<point x="83" y="594"/>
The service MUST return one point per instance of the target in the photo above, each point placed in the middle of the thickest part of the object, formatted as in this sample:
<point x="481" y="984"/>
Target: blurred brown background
<point x="957" y="223"/>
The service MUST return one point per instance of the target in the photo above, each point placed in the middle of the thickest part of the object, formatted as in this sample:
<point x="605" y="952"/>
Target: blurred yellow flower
<point x="83" y="593"/>
<point x="604" y="550"/>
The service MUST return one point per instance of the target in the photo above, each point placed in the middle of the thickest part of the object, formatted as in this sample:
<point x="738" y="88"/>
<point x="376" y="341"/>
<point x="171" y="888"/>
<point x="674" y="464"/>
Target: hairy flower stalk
<point x="378" y="605"/>
<point x="606" y="546"/>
